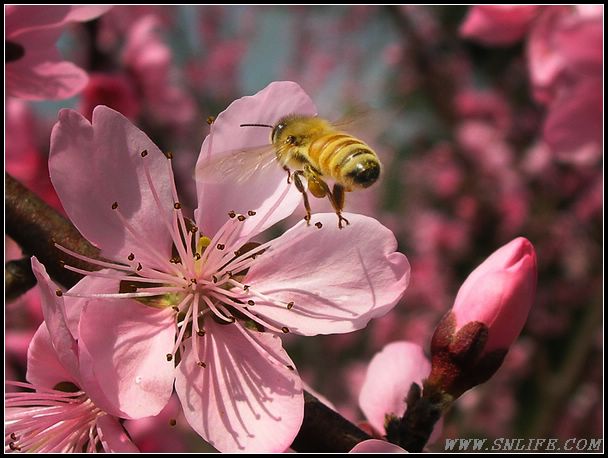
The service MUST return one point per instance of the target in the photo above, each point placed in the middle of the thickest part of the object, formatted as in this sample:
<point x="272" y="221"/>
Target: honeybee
<point x="311" y="149"/>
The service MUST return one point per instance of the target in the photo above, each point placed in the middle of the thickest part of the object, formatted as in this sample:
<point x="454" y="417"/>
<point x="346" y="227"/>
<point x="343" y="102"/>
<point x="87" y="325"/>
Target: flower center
<point x="202" y="279"/>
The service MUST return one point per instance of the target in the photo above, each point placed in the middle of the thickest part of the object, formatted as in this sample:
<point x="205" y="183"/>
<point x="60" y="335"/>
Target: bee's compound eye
<point x="276" y="132"/>
<point x="291" y="140"/>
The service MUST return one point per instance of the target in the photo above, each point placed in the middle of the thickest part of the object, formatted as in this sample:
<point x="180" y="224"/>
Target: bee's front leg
<point x="288" y="174"/>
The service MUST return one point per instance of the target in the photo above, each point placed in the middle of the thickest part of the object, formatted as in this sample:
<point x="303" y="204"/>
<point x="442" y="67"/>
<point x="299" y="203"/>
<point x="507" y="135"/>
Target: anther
<point x="250" y="302"/>
<point x="114" y="205"/>
<point x="131" y="257"/>
<point x="210" y="119"/>
<point x="139" y="267"/>
<point x="290" y="367"/>
<point x="214" y="279"/>
<point x="220" y="246"/>
<point x="194" y="229"/>
<point x="245" y="287"/>
<point x="177" y="205"/>
<point x="200" y="333"/>
<point x="169" y="155"/>
<point x="290" y="306"/>
<point x="175" y="308"/>
<point x="319" y="225"/>
<point x="285" y="329"/>
<point x="201" y="364"/>
<point x="241" y="218"/>
<point x="169" y="357"/>
<point x="197" y="256"/>
<point x="144" y="153"/>
<point x="251" y="213"/>
<point x="14" y="447"/>
<point x="14" y="436"/>
<point x="58" y="292"/>
<point x="231" y="213"/>
<point x="172" y="422"/>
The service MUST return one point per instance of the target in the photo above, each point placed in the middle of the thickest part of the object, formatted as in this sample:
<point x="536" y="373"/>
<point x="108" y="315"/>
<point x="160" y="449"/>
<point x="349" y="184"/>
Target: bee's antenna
<point x="257" y="125"/>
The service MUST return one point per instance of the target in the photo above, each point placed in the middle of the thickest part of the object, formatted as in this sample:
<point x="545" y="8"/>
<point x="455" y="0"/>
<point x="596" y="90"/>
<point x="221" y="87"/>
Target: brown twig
<point x="18" y="278"/>
<point x="36" y="227"/>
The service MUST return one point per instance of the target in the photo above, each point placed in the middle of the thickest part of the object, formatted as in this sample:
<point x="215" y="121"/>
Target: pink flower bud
<point x="490" y="310"/>
<point x="499" y="294"/>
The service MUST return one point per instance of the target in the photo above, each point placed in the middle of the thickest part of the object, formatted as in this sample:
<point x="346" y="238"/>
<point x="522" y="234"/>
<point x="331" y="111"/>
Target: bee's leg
<point x="300" y="187"/>
<point x="319" y="188"/>
<point x="339" y="194"/>
<point x="288" y="174"/>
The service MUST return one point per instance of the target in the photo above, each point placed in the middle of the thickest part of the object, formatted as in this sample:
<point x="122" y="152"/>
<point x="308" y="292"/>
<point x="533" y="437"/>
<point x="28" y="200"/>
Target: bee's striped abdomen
<point x="345" y="159"/>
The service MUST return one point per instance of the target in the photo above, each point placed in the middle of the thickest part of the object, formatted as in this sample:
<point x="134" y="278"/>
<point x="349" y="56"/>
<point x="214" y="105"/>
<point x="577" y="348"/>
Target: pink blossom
<point x="390" y="374"/>
<point x="499" y="293"/>
<point x="66" y="411"/>
<point x="498" y="24"/>
<point x="376" y="446"/>
<point x="210" y="302"/>
<point x="34" y="69"/>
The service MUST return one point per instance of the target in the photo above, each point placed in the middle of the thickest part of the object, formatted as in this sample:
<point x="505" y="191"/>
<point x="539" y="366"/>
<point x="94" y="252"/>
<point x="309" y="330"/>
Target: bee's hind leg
<point x="319" y="188"/>
<point x="337" y="200"/>
<point x="300" y="187"/>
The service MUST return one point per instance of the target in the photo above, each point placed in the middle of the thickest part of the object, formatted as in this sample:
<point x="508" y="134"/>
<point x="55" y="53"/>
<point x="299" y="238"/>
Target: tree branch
<point x="37" y="227"/>
<point x="18" y="278"/>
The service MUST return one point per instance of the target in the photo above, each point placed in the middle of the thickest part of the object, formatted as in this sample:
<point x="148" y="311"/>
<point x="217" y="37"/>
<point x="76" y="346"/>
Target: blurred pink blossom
<point x="34" y="69"/>
<point x="23" y="155"/>
<point x="115" y="91"/>
<point x="149" y="59"/>
<point x="498" y="24"/>
<point x="565" y="60"/>
<point x="128" y="186"/>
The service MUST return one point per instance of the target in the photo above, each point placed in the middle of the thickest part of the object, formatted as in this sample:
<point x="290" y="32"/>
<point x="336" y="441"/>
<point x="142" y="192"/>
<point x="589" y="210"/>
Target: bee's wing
<point x="238" y="165"/>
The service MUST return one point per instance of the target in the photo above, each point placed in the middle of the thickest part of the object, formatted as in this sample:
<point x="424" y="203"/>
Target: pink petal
<point x="248" y="398"/>
<point x="545" y="59"/>
<point x="123" y="346"/>
<point x="499" y="293"/>
<point x="42" y="73"/>
<point x="93" y="166"/>
<point x="573" y="127"/>
<point x="74" y="305"/>
<point x="83" y="13"/>
<point x="338" y="279"/>
<point x="389" y="377"/>
<point x="44" y="81"/>
<point x="22" y="18"/>
<point x="113" y="437"/>
<point x="498" y="24"/>
<point x="43" y="366"/>
<point x="376" y="446"/>
<point x="266" y="191"/>
<point x="54" y="312"/>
